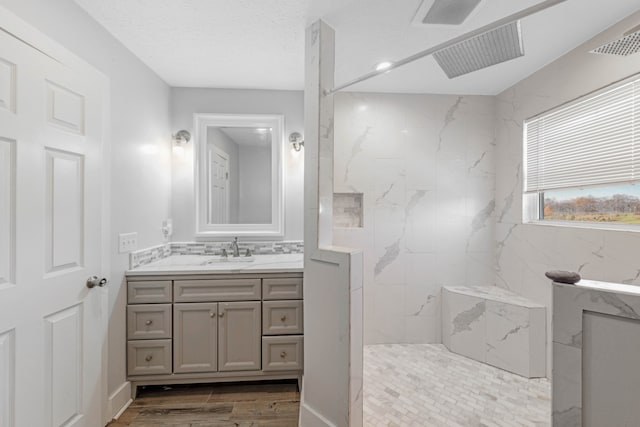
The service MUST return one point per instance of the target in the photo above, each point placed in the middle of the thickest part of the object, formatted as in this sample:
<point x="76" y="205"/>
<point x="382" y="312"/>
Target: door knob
<point x="94" y="281"/>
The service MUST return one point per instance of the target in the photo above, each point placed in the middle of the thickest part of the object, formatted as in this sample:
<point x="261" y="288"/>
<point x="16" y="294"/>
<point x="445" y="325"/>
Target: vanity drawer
<point x="149" y="292"/>
<point x="149" y="357"/>
<point x="282" y="317"/>
<point x="148" y="321"/>
<point x="278" y="289"/>
<point x="282" y="353"/>
<point x="216" y="290"/>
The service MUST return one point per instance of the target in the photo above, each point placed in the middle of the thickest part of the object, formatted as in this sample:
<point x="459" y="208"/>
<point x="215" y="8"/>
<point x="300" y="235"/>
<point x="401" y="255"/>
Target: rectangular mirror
<point x="239" y="186"/>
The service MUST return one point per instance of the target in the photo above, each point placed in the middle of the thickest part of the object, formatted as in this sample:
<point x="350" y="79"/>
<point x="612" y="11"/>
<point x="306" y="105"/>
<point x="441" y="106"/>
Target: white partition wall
<point x="332" y="385"/>
<point x="596" y="340"/>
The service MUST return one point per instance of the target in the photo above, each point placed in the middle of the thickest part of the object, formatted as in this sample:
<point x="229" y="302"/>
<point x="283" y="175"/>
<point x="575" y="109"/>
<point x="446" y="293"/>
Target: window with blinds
<point x="582" y="160"/>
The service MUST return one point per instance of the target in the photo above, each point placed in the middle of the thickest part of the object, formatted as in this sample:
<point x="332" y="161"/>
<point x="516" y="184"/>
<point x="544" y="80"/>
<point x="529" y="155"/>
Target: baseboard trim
<point x="309" y="417"/>
<point x="120" y="400"/>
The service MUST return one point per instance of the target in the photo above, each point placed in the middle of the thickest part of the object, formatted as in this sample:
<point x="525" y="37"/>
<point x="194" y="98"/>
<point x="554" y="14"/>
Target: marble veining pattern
<point x="448" y="119"/>
<point x="525" y="251"/>
<point x="425" y="165"/>
<point x="462" y="321"/>
<point x="425" y="385"/>
<point x="495" y="326"/>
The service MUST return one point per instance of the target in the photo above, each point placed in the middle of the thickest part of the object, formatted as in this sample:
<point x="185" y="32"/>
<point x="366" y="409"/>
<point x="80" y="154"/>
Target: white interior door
<point x="52" y="326"/>
<point x="219" y="186"/>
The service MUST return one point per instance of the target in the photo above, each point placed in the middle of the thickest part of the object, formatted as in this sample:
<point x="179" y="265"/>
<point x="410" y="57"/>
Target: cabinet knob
<point x="148" y="358"/>
<point x="221" y="314"/>
<point x="212" y="314"/>
<point x="148" y="322"/>
<point x="283" y="354"/>
<point x="284" y="318"/>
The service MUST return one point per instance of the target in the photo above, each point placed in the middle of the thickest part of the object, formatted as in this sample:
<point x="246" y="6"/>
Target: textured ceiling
<point x="260" y="43"/>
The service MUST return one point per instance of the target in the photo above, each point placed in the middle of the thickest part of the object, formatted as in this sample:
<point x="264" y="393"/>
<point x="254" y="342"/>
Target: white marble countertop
<point x="203" y="264"/>
<point x="618" y="288"/>
<point x="496" y="294"/>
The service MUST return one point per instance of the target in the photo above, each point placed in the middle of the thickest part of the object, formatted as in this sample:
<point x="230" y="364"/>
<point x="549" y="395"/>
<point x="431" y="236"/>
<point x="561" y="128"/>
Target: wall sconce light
<point x="296" y="140"/>
<point x="182" y="137"/>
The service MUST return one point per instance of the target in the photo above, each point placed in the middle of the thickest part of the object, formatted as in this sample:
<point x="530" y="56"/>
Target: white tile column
<point x="332" y="384"/>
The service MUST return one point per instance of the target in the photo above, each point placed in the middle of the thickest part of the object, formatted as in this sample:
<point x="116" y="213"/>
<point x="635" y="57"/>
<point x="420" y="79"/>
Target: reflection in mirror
<point x="239" y="173"/>
<point x="239" y="177"/>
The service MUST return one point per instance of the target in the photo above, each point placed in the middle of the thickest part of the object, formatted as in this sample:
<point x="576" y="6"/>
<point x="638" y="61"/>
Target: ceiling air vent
<point x="625" y="46"/>
<point x="444" y="12"/>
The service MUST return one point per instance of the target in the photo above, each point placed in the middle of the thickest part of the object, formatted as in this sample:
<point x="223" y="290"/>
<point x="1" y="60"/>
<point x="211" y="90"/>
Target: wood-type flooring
<point x="214" y="405"/>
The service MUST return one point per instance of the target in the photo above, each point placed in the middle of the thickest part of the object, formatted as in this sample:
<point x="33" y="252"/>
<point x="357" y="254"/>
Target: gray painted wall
<point x="185" y="102"/>
<point x="255" y="185"/>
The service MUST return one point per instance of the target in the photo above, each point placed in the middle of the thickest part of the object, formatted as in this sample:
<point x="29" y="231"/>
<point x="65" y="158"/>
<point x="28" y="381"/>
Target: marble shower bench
<point x="495" y="326"/>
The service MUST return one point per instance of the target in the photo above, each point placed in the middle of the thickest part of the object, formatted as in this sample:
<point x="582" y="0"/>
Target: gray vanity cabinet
<point x="239" y="336"/>
<point x="195" y="337"/>
<point x="211" y="337"/>
<point x="214" y="327"/>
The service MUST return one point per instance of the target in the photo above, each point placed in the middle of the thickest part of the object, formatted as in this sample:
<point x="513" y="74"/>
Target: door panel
<point x="7" y="382"/>
<point x="51" y="129"/>
<point x="240" y="336"/>
<point x="218" y="162"/>
<point x="7" y="85"/>
<point x="7" y="211"/>
<point x="63" y="343"/>
<point x="65" y="108"/>
<point x="64" y="210"/>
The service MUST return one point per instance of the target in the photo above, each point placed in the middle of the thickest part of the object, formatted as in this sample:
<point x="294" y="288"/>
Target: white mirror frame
<point x="276" y="123"/>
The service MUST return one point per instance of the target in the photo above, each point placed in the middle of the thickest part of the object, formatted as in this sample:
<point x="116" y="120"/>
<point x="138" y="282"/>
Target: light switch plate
<point x="127" y="242"/>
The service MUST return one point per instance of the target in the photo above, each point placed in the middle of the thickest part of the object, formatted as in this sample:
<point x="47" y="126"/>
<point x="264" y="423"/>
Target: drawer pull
<point x="148" y="358"/>
<point x="148" y="322"/>
<point x="221" y="314"/>
<point x="284" y="318"/>
<point x="212" y="314"/>
<point x="283" y="354"/>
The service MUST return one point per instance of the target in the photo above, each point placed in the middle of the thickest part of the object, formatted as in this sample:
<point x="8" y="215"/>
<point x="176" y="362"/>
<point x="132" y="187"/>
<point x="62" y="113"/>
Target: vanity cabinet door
<point x="240" y="336"/>
<point x="195" y="337"/>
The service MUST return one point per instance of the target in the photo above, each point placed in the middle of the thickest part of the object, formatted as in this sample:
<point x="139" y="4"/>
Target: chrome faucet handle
<point x="234" y="247"/>
<point x="224" y="253"/>
<point x="248" y="253"/>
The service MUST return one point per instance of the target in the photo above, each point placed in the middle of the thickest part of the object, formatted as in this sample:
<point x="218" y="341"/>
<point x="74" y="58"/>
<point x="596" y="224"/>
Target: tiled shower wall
<point x="525" y="251"/>
<point x="425" y="166"/>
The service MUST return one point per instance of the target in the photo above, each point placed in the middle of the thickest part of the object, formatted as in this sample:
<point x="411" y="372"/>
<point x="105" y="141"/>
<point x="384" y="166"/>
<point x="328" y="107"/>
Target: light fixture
<point x="182" y="137"/>
<point x="296" y="140"/>
<point x="383" y="65"/>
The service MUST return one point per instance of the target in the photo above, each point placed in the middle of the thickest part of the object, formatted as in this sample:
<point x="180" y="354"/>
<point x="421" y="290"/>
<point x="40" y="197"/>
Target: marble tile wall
<point x="495" y="326"/>
<point x="425" y="167"/>
<point x="525" y="251"/>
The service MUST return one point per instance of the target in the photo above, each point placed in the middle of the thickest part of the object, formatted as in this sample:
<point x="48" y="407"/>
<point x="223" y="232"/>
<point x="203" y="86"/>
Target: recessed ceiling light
<point x="383" y="65"/>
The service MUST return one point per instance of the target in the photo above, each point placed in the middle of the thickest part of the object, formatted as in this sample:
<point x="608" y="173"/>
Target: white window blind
<point x="595" y="140"/>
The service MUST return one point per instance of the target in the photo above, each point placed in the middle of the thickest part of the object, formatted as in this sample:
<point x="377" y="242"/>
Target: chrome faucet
<point x="235" y="248"/>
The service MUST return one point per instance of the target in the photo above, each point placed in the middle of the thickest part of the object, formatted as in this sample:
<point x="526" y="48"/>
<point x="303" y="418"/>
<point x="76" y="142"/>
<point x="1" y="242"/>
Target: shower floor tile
<point x="426" y="385"/>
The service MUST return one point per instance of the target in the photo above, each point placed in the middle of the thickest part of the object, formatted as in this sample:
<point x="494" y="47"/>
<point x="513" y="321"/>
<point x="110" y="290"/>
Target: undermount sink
<point x="228" y="259"/>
